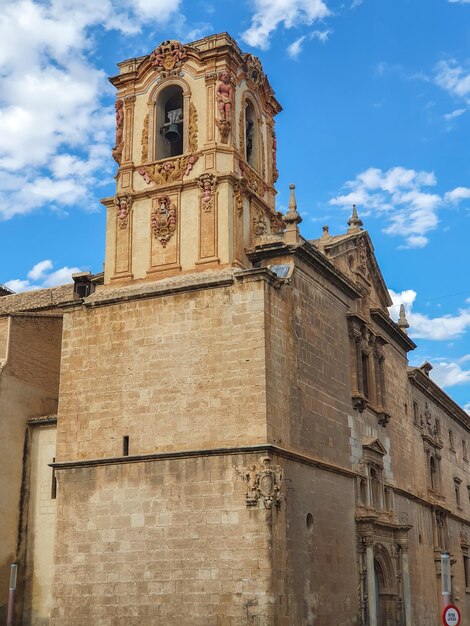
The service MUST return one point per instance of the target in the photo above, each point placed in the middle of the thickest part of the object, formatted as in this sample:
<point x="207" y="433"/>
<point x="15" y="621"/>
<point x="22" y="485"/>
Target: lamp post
<point x="11" y="594"/>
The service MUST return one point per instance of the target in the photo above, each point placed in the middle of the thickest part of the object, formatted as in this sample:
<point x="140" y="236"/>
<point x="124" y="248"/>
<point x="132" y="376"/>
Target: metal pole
<point x="11" y="594"/>
<point x="446" y="579"/>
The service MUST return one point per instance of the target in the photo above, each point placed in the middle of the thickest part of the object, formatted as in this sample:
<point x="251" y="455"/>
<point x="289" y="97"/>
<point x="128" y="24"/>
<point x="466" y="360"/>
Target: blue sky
<point x="376" y="97"/>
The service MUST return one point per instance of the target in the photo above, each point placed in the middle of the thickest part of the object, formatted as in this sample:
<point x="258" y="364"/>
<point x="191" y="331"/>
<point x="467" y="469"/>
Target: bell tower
<point x="196" y="153"/>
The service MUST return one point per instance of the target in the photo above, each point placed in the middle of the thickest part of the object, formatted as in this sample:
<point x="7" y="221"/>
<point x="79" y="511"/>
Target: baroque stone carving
<point x="164" y="220"/>
<point x="168" y="171"/>
<point x="123" y="207"/>
<point x="254" y="182"/>
<point x="145" y="140"/>
<point x="277" y="222"/>
<point x="253" y="71"/>
<point x="260" y="224"/>
<point x="263" y="482"/>
<point x="241" y="131"/>
<point x="193" y="128"/>
<point x="275" y="174"/>
<point x="207" y="183"/>
<point x="239" y="194"/>
<point x="119" y="142"/>
<point x="168" y="57"/>
<point x="263" y="158"/>
<point x="224" y="97"/>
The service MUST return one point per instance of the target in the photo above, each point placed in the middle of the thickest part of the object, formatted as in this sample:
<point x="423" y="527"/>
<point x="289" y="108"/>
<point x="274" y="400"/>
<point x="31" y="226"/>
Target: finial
<point x="326" y="231"/>
<point x="402" y="321"/>
<point x="292" y="216"/>
<point x="354" y="222"/>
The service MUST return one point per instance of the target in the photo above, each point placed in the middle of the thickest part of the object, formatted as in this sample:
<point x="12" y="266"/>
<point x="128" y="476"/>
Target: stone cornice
<point x="392" y="330"/>
<point x="427" y="386"/>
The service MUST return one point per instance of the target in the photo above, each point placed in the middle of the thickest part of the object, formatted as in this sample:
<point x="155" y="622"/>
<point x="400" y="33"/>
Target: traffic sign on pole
<point x="451" y="616"/>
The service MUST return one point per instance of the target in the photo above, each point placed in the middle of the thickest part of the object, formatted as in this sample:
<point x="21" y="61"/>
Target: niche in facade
<point x="251" y="136"/>
<point x="169" y="123"/>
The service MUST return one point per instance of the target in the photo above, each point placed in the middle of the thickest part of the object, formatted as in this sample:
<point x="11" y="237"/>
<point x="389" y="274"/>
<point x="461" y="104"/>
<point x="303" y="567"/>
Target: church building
<point x="222" y="428"/>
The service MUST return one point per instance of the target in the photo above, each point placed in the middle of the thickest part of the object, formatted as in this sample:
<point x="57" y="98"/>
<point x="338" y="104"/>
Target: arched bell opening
<point x="251" y="136"/>
<point x="169" y="123"/>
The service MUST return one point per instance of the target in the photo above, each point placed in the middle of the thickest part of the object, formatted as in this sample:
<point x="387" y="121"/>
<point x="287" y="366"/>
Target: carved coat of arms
<point x="263" y="482"/>
<point x="164" y="220"/>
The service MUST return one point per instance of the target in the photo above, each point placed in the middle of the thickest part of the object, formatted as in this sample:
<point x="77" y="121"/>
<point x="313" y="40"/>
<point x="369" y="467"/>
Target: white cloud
<point x="295" y="47"/>
<point x="422" y="326"/>
<point x="454" y="114"/>
<point x="56" y="132"/>
<point x="466" y="407"/>
<point x="402" y="199"/>
<point x="448" y="374"/>
<point x="454" y="78"/>
<point x="40" y="276"/>
<point x="356" y="3"/>
<point x="457" y="194"/>
<point x="459" y="1"/>
<point x="270" y="14"/>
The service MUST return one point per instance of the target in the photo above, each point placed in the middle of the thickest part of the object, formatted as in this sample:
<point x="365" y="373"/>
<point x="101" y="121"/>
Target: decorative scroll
<point x="164" y="220"/>
<point x="207" y="183"/>
<point x="193" y="128"/>
<point x="145" y="140"/>
<point x="119" y="142"/>
<point x="168" y="57"/>
<point x="123" y="207"/>
<point x="263" y="482"/>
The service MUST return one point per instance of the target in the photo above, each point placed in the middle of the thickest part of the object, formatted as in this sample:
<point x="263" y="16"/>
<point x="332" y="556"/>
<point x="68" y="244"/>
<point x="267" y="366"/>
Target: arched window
<point x="432" y="473"/>
<point x="251" y="136"/>
<point x="375" y="488"/>
<point x="169" y="123"/>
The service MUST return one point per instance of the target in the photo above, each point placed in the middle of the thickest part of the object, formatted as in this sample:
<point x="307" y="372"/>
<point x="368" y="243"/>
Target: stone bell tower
<point x="196" y="150"/>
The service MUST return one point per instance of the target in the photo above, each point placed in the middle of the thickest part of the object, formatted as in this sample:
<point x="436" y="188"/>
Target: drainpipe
<point x="11" y="594"/>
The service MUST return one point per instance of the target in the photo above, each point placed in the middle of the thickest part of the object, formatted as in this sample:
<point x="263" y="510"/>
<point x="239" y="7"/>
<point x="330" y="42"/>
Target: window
<point x="468" y="492"/>
<point x="365" y="375"/>
<point x="437" y="428"/>
<point x="415" y="413"/>
<point x="251" y="136"/>
<point x="451" y="441"/>
<point x="457" y="482"/>
<point x="432" y="473"/>
<point x="53" y="483"/>
<point x="169" y="123"/>
<point x="464" y="450"/>
<point x="466" y="570"/>
<point x="125" y="445"/>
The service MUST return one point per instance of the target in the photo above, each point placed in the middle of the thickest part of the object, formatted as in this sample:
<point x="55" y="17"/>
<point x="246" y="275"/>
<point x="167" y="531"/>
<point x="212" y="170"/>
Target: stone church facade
<point x="222" y="429"/>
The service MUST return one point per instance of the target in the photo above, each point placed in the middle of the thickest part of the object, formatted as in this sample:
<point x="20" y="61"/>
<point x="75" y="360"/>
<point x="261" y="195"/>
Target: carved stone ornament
<point x="253" y="181"/>
<point x="168" y="57"/>
<point x="263" y="483"/>
<point x="193" y="128"/>
<point x="207" y="183"/>
<point x="164" y="220"/>
<point x="123" y="207"/>
<point x="253" y="71"/>
<point x="239" y="195"/>
<point x="261" y="225"/>
<point x="145" y="140"/>
<point x="241" y="132"/>
<point x="119" y="142"/>
<point x="277" y="222"/>
<point x="168" y="171"/>
<point x="275" y="174"/>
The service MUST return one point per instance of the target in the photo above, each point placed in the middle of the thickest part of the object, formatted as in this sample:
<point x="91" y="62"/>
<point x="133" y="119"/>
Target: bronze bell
<point x="171" y="133"/>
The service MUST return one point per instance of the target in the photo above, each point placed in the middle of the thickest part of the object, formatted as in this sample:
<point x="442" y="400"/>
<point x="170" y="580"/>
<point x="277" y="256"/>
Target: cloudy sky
<point x="376" y="97"/>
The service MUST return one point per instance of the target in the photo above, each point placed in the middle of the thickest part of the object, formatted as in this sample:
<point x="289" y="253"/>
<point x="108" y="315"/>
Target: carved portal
<point x="168" y="57"/>
<point x="263" y="483"/>
<point x="164" y="220"/>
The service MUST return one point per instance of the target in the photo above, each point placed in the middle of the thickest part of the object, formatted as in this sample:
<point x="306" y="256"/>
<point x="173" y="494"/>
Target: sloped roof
<point x="36" y="300"/>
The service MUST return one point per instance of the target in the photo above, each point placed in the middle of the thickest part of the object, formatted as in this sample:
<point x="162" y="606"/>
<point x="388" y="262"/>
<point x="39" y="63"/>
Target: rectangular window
<point x="438" y="428"/>
<point x="53" y="483"/>
<point x="415" y="413"/>
<point x="451" y="441"/>
<point x="365" y="375"/>
<point x="457" y="482"/>
<point x="406" y="409"/>
<point x="125" y="445"/>
<point x="464" y="449"/>
<point x="466" y="570"/>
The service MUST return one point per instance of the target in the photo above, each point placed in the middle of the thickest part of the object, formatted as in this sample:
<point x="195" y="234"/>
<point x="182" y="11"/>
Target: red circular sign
<point x="451" y="615"/>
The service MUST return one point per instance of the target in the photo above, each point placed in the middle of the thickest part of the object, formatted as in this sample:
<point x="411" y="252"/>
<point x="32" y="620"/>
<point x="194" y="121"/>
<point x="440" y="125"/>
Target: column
<point x="371" y="590"/>
<point x="406" y="581"/>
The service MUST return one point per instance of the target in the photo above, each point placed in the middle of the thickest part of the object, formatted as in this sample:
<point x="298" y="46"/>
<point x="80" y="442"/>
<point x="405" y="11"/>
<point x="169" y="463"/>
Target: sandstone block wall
<point x="168" y="542"/>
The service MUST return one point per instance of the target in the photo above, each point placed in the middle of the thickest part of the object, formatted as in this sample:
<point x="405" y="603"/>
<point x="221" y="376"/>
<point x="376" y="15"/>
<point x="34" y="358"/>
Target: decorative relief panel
<point x="168" y="171"/>
<point x="144" y="142"/>
<point x="253" y="182"/>
<point x="164" y="220"/>
<point x="168" y="57"/>
<point x="193" y="128"/>
<point x="119" y="141"/>
<point x="123" y="207"/>
<point x="263" y="483"/>
<point x="253" y="71"/>
<point x="207" y="183"/>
